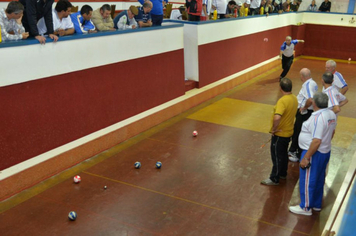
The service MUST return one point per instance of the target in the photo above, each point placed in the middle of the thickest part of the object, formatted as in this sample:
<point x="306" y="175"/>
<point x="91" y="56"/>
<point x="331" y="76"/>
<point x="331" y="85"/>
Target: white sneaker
<point x="268" y="182"/>
<point x="293" y="156"/>
<point x="316" y="209"/>
<point x="297" y="210"/>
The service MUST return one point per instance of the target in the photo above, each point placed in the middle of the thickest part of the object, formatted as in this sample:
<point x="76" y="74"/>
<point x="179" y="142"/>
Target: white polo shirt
<point x="320" y="125"/>
<point x="307" y="91"/>
<point x="339" y="81"/>
<point x="335" y="97"/>
<point x="65" y="23"/>
<point x="288" y="50"/>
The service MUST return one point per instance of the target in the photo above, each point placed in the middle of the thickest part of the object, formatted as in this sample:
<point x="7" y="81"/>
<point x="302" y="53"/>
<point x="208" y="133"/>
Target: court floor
<point x="208" y="185"/>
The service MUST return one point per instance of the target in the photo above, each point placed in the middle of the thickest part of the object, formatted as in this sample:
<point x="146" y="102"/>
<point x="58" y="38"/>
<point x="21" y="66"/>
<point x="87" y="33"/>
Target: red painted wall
<point x="40" y="115"/>
<point x="236" y="54"/>
<point x="330" y="41"/>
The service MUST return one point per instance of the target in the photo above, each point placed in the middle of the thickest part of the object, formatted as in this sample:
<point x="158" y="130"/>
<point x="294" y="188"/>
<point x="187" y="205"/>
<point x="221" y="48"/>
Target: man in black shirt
<point x="35" y="10"/>
<point x="325" y="6"/>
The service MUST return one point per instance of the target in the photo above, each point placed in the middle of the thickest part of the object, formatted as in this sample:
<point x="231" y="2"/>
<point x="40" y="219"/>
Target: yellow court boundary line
<point x="193" y="202"/>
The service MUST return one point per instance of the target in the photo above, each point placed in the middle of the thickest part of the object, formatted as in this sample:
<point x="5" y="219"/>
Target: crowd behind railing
<point x="37" y="18"/>
<point x="202" y="10"/>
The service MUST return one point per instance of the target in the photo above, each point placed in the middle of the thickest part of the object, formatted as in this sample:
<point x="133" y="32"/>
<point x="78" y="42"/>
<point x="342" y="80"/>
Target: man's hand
<point x="301" y="41"/>
<point x="25" y="35"/>
<point x="54" y="37"/>
<point x="133" y="26"/>
<point x="61" y="32"/>
<point x="305" y="162"/>
<point x="92" y="31"/>
<point x="112" y="29"/>
<point x="41" y="39"/>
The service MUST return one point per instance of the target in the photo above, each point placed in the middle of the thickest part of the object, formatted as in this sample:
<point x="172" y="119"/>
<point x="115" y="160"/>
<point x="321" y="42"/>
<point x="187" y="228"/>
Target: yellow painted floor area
<point x="258" y="117"/>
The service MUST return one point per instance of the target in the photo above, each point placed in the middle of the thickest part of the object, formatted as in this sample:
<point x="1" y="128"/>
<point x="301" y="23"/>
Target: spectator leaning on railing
<point x="82" y="20"/>
<point x="62" y="24"/>
<point x="312" y="6"/>
<point x="10" y="22"/>
<point x="325" y="6"/>
<point x="102" y="18"/>
<point x="35" y="10"/>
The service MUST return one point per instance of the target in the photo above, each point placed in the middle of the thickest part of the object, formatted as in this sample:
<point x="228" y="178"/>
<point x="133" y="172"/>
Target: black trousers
<point x="193" y="17"/>
<point x="156" y="20"/>
<point x="286" y="64"/>
<point x="299" y="119"/>
<point x="279" y="155"/>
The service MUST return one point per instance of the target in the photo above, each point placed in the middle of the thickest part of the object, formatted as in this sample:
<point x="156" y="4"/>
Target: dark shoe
<point x="283" y="177"/>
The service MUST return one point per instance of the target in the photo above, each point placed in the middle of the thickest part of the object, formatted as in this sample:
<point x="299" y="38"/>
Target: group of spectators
<point x="201" y="10"/>
<point x="308" y="120"/>
<point x="38" y="19"/>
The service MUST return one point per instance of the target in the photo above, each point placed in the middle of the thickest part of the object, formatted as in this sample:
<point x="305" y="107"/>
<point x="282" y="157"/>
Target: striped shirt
<point x="335" y="97"/>
<point x="339" y="81"/>
<point x="10" y="26"/>
<point x="320" y="125"/>
<point x="307" y="91"/>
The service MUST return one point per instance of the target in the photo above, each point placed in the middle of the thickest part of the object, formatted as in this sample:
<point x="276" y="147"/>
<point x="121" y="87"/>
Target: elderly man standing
<point x="315" y="140"/>
<point x="10" y="21"/>
<point x="282" y="131"/>
<point x="143" y="17"/>
<point x="287" y="54"/>
<point x="304" y="111"/>
<point x="339" y="81"/>
<point x="102" y="18"/>
<point x="336" y="99"/>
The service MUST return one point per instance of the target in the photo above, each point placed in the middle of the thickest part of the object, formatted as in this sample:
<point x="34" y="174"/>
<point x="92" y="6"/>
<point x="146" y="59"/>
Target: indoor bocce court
<point x="207" y="185"/>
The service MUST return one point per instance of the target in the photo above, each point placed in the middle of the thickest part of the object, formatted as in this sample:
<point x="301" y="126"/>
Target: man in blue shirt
<point x="144" y="16"/>
<point x="157" y="11"/>
<point x="82" y="20"/>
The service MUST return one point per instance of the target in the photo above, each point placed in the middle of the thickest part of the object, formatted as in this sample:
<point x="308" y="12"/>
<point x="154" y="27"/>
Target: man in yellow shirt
<point x="282" y="130"/>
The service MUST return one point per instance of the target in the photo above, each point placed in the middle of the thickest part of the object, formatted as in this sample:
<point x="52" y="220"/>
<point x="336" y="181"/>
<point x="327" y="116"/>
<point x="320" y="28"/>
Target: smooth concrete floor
<point x="208" y="185"/>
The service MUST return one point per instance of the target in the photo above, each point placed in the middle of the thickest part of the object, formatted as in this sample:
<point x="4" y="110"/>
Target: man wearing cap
<point x="102" y="18"/>
<point x="126" y="19"/>
<point x="143" y="17"/>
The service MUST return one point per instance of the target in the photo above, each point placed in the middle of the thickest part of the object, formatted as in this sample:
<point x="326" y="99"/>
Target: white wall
<point x="54" y="57"/>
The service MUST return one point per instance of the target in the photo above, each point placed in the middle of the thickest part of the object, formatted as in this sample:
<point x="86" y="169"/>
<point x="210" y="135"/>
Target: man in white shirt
<point x="305" y="109"/>
<point x="339" y="82"/>
<point x="10" y="22"/>
<point x="220" y="7"/>
<point x="336" y="99"/>
<point x="62" y="24"/>
<point x="315" y="141"/>
<point x="255" y="7"/>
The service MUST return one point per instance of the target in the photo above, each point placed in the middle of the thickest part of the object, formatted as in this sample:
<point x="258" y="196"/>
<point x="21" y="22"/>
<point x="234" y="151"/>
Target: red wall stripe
<point x="236" y="54"/>
<point x="40" y="115"/>
<point x="330" y="41"/>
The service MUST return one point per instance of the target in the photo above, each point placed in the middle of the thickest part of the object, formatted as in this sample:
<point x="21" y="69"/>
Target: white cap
<point x="277" y="1"/>
<point x="239" y="4"/>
